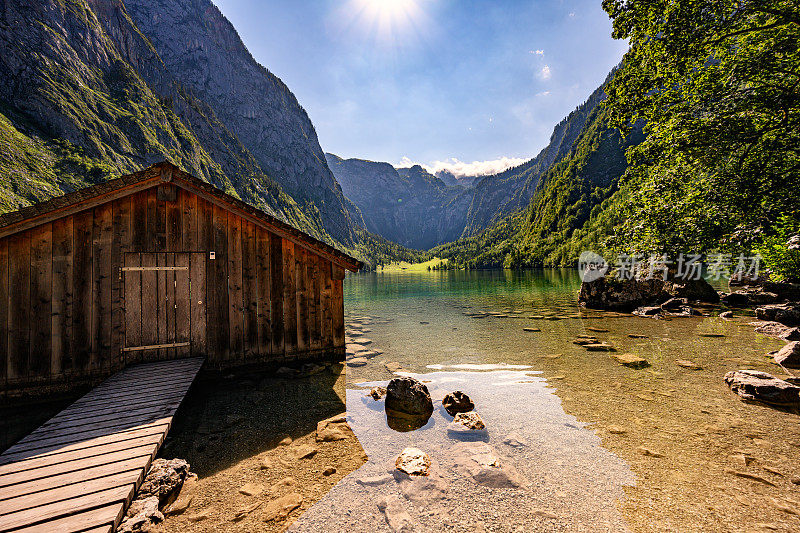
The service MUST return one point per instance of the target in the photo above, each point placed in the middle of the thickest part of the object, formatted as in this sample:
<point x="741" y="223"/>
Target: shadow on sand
<point x="226" y="419"/>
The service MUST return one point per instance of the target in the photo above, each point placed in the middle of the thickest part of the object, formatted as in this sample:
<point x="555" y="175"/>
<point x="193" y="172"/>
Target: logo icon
<point x="591" y="266"/>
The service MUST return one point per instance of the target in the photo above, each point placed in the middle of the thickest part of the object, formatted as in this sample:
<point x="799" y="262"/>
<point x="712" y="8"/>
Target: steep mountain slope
<point x="85" y="95"/>
<point x="498" y="195"/>
<point x="408" y="205"/>
<point x="570" y="206"/>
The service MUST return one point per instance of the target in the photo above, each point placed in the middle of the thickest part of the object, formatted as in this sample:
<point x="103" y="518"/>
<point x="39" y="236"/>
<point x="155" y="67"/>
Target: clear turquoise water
<point x="587" y="416"/>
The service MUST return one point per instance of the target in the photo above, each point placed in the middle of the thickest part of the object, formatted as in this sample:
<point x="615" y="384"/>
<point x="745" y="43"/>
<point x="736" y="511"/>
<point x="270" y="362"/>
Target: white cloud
<point x="460" y="169"/>
<point x="545" y="72"/>
<point x="537" y="52"/>
<point x="543" y="93"/>
<point x="572" y="14"/>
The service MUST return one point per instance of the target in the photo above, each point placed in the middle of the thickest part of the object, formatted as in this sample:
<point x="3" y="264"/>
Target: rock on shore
<point x="789" y="356"/>
<point x="787" y="314"/>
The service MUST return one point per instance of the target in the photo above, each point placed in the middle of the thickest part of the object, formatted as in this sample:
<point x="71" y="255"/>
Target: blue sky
<point x="432" y="81"/>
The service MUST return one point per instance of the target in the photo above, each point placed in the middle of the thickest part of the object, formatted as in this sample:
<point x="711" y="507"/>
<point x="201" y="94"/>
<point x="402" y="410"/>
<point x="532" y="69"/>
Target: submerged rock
<point x="485" y="466"/>
<point x="467" y="424"/>
<point x="281" y="507"/>
<point x="252" y="489"/>
<point x="691" y="365"/>
<point x="414" y="462"/>
<point x="305" y="451"/>
<point x="185" y="496"/>
<point x="630" y="360"/>
<point x="333" y="429"/>
<point x="599" y="347"/>
<point x="245" y="511"/>
<point x="776" y="329"/>
<point x="457" y="402"/>
<point x="789" y="356"/>
<point x="374" y="481"/>
<point x="759" y="386"/>
<point x="397" y="518"/>
<point x="408" y="396"/>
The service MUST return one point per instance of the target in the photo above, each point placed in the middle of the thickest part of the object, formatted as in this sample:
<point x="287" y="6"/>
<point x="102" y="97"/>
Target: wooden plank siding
<point x="245" y="294"/>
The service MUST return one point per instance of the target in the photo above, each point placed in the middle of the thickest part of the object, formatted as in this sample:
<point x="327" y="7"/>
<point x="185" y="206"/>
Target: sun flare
<point x="388" y="22"/>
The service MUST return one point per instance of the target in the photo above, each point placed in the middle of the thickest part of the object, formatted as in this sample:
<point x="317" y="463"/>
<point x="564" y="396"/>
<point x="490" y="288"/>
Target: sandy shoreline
<point x="232" y="433"/>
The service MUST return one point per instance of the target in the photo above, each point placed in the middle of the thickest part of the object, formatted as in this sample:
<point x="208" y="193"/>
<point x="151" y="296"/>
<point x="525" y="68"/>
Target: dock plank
<point x="96" y="451"/>
<point x="59" y="509"/>
<point x="58" y="474"/>
<point x="100" y="519"/>
<point x="58" y="447"/>
<point x="48" y="496"/>
<point x="80" y="469"/>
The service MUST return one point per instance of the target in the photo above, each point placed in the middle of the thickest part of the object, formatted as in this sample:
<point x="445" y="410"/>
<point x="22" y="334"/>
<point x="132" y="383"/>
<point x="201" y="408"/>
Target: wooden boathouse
<point x="159" y="265"/>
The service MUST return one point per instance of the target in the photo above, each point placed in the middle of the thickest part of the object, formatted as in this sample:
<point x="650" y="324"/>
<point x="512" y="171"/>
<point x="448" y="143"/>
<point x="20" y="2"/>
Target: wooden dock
<point x="79" y="471"/>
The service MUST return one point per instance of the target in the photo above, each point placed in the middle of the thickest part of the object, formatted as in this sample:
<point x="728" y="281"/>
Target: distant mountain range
<point x="461" y="181"/>
<point x="419" y="210"/>
<point x="407" y="205"/>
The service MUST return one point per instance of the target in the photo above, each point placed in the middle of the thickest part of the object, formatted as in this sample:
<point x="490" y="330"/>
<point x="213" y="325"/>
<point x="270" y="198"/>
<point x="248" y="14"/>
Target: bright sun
<point x="388" y="21"/>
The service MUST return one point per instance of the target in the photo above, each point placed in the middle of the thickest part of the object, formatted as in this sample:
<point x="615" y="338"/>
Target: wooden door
<point x="158" y="307"/>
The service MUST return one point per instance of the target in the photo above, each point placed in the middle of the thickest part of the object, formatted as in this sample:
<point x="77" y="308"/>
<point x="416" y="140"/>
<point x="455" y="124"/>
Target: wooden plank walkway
<point x="79" y="471"/>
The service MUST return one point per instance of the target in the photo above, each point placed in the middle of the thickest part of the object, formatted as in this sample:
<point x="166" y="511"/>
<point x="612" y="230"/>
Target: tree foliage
<point x="718" y="84"/>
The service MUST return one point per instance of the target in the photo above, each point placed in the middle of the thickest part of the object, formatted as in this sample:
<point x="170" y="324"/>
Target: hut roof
<point x="164" y="172"/>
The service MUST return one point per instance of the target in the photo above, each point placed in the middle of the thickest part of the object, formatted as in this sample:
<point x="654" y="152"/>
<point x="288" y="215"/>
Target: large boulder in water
<point x="408" y="404"/>
<point x="760" y="386"/>
<point x="612" y="292"/>
<point x="788" y="314"/>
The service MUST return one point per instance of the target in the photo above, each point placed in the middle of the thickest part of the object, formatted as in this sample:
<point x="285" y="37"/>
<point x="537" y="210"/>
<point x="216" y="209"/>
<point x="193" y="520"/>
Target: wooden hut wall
<point x="63" y="294"/>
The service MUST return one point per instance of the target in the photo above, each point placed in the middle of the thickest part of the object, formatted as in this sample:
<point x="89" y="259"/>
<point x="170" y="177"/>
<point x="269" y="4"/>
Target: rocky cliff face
<point x="202" y="50"/>
<point x="90" y="89"/>
<point x="408" y="205"/>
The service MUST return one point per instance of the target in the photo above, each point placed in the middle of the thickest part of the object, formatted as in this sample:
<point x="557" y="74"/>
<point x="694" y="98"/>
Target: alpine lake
<point x="580" y="441"/>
